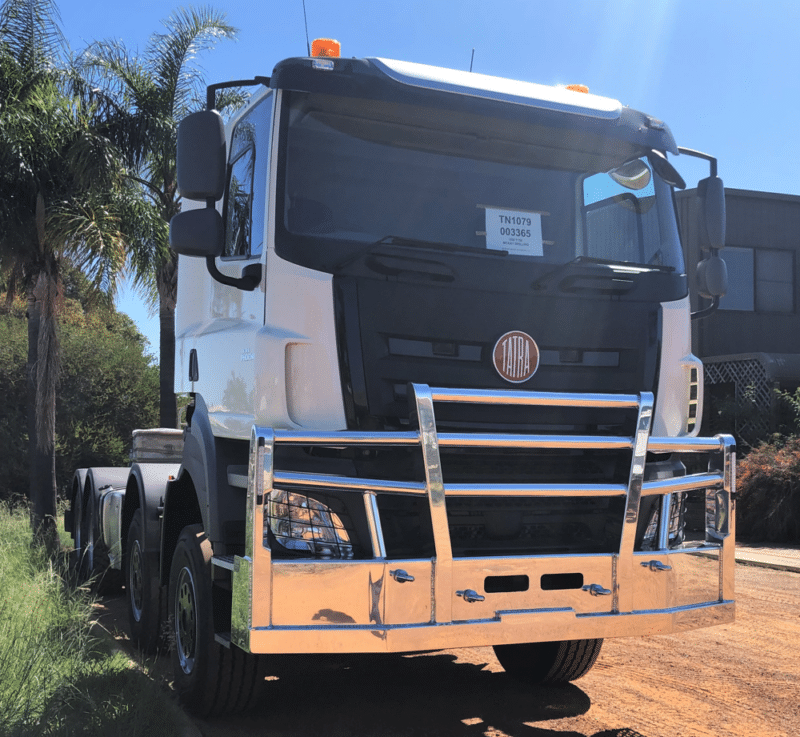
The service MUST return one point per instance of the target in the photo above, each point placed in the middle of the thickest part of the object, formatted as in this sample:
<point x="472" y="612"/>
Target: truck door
<point x="225" y="341"/>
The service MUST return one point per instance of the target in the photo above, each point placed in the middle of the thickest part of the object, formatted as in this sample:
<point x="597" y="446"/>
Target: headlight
<point x="305" y="525"/>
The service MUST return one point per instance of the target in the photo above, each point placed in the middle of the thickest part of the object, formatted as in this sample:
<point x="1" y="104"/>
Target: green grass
<point x="56" y="676"/>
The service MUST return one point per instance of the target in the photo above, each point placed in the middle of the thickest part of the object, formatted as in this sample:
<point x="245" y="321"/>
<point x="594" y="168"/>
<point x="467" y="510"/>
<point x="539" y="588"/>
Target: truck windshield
<point x="356" y="173"/>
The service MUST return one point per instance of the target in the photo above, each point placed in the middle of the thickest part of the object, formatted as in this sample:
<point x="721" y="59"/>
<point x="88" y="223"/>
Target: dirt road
<point x="739" y="680"/>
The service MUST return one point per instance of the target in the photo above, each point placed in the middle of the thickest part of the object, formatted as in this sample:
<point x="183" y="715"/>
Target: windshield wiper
<point x="397" y="240"/>
<point x="614" y="269"/>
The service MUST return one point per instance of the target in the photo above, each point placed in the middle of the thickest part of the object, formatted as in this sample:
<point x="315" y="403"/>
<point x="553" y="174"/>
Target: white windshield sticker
<point x="517" y="231"/>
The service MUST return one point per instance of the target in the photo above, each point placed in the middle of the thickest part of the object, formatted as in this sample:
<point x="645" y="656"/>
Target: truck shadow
<point x="433" y="693"/>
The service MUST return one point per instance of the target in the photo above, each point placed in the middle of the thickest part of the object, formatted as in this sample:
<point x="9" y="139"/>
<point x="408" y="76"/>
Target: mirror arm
<point x="706" y="311"/>
<point x="211" y="90"/>
<point x="249" y="280"/>
<point x="700" y="155"/>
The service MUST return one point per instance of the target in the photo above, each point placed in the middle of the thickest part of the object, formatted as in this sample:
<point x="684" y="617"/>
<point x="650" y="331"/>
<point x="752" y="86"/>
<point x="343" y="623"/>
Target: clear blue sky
<point x="724" y="74"/>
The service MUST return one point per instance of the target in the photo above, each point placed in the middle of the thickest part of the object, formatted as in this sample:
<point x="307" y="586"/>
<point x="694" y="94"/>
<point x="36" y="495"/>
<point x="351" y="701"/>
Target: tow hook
<point x="595" y="589"/>
<point x="470" y="596"/>
<point x="401" y="576"/>
<point x="655" y="565"/>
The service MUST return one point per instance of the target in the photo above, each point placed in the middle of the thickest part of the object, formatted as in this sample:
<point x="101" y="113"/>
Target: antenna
<point x="470" y="61"/>
<point x="305" y="18"/>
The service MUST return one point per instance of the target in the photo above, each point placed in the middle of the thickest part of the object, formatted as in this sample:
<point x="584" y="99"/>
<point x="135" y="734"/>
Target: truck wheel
<point x="549" y="662"/>
<point x="210" y="678"/>
<point x="142" y="589"/>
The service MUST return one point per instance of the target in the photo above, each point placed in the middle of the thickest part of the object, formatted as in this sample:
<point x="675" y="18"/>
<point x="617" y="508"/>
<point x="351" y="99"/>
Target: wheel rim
<point x="136" y="581"/>
<point x="185" y="620"/>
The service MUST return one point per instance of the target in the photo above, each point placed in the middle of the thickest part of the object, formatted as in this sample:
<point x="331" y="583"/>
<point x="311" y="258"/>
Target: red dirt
<point x="738" y="680"/>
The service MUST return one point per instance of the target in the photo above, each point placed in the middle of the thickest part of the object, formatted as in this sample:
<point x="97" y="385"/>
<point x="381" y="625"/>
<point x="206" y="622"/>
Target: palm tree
<point x="63" y="196"/>
<point x="153" y="92"/>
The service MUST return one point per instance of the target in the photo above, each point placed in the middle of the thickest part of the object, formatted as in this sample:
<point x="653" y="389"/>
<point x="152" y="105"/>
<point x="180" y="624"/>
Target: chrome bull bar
<point x="279" y="605"/>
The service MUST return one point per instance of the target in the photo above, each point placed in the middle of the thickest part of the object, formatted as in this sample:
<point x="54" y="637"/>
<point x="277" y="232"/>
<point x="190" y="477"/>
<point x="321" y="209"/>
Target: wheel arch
<point x="96" y="479"/>
<point x="181" y="508"/>
<point x="146" y="489"/>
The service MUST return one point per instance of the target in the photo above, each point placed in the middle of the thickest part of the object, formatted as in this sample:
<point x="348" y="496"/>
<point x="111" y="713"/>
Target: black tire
<point x="142" y="589"/>
<point x="92" y="563"/>
<point x="549" y="663"/>
<point x="210" y="678"/>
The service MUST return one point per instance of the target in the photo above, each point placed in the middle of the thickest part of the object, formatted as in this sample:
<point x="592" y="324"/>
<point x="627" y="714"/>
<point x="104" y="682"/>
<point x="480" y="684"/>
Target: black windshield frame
<point x="323" y="250"/>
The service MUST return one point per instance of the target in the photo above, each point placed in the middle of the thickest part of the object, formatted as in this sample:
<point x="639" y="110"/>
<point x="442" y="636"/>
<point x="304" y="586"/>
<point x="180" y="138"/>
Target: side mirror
<point x="201" y="156"/>
<point x="712" y="277"/>
<point x="712" y="195"/>
<point x="197" y="233"/>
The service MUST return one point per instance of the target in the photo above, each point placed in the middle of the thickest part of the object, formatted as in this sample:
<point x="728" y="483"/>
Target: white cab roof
<point x="499" y="88"/>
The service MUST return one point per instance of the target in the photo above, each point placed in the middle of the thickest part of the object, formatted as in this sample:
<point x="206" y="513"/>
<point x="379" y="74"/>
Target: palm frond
<point x="171" y="55"/>
<point x="31" y="31"/>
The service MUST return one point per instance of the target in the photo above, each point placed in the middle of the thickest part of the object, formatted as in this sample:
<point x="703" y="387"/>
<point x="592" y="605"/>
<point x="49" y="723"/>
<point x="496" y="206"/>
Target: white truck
<point x="435" y="331"/>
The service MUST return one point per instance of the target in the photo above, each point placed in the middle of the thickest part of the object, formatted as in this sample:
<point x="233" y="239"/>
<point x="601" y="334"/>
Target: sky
<point x="723" y="74"/>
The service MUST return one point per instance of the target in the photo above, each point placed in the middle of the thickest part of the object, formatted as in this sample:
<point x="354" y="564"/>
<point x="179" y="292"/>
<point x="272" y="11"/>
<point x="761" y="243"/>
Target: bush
<point x="108" y="387"/>
<point x="768" y="485"/>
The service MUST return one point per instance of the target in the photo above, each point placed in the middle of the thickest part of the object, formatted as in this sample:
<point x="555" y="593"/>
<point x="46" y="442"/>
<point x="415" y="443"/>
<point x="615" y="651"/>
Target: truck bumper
<point x="361" y="608"/>
<point x="383" y="605"/>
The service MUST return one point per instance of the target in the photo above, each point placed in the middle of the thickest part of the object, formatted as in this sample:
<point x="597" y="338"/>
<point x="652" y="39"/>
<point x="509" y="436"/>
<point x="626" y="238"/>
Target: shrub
<point x="108" y="387"/>
<point x="768" y="484"/>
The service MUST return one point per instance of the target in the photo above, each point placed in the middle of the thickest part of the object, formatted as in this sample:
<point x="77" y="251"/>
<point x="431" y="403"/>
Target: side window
<point x="245" y="197"/>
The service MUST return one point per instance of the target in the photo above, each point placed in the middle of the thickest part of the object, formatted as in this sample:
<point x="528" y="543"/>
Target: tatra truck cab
<point x="435" y="331"/>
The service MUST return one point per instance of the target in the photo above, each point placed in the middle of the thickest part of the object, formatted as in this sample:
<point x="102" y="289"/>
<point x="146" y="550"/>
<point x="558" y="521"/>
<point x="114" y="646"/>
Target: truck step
<point x="223" y="638"/>
<point x="223" y="561"/>
<point x="237" y="476"/>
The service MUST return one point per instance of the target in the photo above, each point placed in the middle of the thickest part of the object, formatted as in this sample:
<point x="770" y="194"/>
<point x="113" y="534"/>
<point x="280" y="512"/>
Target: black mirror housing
<point x="197" y="233"/>
<point x="201" y="156"/>
<point x="712" y="194"/>
<point x="712" y="277"/>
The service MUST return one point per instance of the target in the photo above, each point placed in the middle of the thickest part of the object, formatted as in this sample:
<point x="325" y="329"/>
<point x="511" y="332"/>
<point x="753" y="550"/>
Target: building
<point x="751" y="345"/>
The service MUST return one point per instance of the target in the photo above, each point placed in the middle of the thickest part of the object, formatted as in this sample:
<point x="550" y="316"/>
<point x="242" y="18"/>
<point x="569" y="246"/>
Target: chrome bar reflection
<point x="345" y="438"/>
<point x="686" y="445"/>
<point x="349" y="483"/>
<point x="693" y="482"/>
<point x="663" y="521"/>
<point x="536" y="490"/>
<point x="567" y="442"/>
<point x="374" y="524"/>
<point x="528" y="398"/>
<point x="442" y="604"/>
<point x="727" y="567"/>
<point x="623" y="584"/>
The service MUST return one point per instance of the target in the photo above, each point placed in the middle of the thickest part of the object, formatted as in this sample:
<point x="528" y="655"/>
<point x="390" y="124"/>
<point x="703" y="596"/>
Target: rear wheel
<point x="92" y="563"/>
<point x="142" y="589"/>
<point x="210" y="678"/>
<point x="549" y="662"/>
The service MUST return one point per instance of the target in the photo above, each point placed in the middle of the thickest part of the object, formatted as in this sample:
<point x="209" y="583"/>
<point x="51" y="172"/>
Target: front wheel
<point x="210" y="678"/>
<point x="549" y="662"/>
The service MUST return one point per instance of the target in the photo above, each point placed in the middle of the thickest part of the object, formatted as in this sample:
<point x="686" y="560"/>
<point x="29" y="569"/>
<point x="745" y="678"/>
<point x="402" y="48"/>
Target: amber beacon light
<point x="325" y="47"/>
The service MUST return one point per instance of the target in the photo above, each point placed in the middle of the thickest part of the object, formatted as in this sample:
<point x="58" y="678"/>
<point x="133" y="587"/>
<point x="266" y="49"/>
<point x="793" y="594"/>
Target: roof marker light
<point x="578" y="88"/>
<point x="326" y="47"/>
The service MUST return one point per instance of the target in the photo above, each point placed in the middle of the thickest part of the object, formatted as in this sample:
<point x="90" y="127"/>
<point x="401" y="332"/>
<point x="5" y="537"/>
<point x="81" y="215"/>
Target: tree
<point x="108" y="387"/>
<point x="153" y="92"/>
<point x="63" y="198"/>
